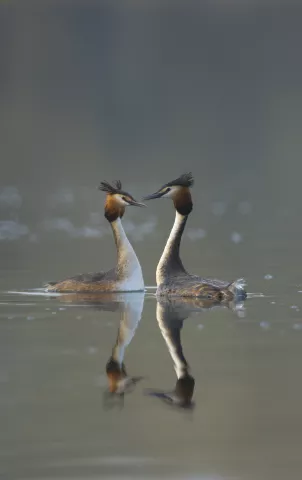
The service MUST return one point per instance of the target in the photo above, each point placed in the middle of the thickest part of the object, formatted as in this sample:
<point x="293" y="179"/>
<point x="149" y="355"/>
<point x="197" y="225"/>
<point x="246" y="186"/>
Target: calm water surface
<point x="59" y="420"/>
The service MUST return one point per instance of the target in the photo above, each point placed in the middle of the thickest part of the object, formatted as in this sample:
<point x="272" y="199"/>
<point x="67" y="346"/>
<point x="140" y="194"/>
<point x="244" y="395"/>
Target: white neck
<point x="128" y="268"/>
<point x="170" y="262"/>
<point x="171" y="335"/>
<point x="130" y="318"/>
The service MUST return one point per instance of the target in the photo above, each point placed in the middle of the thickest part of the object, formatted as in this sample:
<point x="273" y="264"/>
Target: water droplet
<point x="268" y="276"/>
<point x="236" y="237"/>
<point x="30" y="318"/>
<point x="265" y="325"/>
<point x="297" y="326"/>
<point x="273" y="303"/>
<point x="62" y="308"/>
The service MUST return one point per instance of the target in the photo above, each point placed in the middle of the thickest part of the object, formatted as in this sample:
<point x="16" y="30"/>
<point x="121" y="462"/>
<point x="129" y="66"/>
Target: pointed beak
<point x="154" y="195"/>
<point x="134" y="203"/>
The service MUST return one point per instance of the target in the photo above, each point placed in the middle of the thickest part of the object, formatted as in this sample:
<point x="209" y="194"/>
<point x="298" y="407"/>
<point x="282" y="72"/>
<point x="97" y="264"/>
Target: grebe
<point x="171" y="276"/>
<point x="127" y="275"/>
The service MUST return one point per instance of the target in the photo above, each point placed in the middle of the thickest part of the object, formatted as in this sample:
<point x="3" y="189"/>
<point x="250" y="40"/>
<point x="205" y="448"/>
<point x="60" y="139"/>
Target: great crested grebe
<point x="127" y="275"/>
<point x="171" y="276"/>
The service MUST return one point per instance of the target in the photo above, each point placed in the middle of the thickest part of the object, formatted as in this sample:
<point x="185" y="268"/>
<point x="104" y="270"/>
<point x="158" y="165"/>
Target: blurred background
<point x="144" y="91"/>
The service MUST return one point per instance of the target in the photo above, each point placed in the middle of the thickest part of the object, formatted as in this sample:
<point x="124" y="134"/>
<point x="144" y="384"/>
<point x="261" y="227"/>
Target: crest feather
<point x="112" y="189"/>
<point x="185" y="180"/>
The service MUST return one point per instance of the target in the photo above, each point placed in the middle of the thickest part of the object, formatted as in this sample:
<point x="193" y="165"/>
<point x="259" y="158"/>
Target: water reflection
<point x="170" y="314"/>
<point x="130" y="306"/>
<point x="119" y="382"/>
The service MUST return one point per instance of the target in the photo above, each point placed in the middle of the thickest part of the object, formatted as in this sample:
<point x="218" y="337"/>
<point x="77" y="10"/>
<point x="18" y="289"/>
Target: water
<point x="60" y="421"/>
<point x="142" y="92"/>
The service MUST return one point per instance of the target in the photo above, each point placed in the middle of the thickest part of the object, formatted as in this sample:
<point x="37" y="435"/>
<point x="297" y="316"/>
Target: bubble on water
<point x="62" y="308"/>
<point x="273" y="303"/>
<point x="294" y="307"/>
<point x="297" y="326"/>
<point x="30" y="318"/>
<point x="196" y="233"/>
<point x="200" y="326"/>
<point x="265" y="325"/>
<point x="268" y="276"/>
<point x="236" y="237"/>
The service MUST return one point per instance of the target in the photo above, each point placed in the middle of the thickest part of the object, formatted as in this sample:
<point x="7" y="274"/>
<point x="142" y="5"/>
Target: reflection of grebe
<point x="171" y="276"/>
<point x="170" y="320"/>
<point x="171" y="313"/>
<point x="127" y="275"/>
<point x="119" y="382"/>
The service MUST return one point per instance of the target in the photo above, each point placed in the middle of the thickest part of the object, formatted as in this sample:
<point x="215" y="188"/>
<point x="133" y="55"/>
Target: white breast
<point x="130" y="272"/>
<point x="134" y="280"/>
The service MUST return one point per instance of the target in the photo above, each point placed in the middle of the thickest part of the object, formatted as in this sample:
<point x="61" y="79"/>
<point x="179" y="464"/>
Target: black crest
<point x="116" y="187"/>
<point x="185" y="180"/>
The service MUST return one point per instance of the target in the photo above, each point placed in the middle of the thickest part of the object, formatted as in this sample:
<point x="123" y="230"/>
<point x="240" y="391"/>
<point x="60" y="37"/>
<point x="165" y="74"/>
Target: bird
<point x="127" y="275"/>
<point x="172" y="279"/>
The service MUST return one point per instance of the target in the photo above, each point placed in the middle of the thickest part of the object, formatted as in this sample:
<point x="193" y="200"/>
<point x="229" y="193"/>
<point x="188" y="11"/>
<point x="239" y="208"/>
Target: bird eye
<point x="168" y="190"/>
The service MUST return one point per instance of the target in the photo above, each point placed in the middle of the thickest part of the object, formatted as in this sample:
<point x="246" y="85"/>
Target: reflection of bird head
<point x="119" y="382"/>
<point x="184" y="390"/>
<point x="116" y="374"/>
<point x="181" y="396"/>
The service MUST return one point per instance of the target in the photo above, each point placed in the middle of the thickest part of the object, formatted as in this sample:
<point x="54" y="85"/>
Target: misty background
<point x="144" y="91"/>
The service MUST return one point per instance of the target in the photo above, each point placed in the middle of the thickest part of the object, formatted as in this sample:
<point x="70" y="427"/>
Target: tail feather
<point x="238" y="288"/>
<point x="49" y="285"/>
